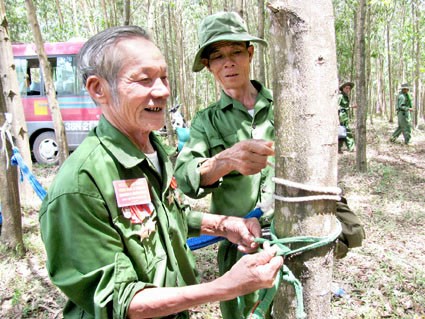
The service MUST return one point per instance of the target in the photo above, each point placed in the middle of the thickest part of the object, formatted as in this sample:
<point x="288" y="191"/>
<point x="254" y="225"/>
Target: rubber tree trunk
<point x="361" y="89"/>
<point x="14" y="104"/>
<point x="305" y="95"/>
<point x="49" y="86"/>
<point x="11" y="232"/>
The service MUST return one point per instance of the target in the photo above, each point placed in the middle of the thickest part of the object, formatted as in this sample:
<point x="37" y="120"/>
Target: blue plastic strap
<point x="25" y="172"/>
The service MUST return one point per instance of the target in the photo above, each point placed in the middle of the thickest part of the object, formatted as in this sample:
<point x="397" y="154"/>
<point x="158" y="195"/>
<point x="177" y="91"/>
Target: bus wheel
<point x="46" y="149"/>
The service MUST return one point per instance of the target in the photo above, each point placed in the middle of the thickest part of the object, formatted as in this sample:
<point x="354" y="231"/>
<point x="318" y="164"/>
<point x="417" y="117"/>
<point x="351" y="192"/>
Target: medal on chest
<point x="134" y="199"/>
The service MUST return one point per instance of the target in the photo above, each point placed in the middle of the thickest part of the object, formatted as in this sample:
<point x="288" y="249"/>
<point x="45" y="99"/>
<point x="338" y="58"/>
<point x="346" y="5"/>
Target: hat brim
<point x="197" y="64"/>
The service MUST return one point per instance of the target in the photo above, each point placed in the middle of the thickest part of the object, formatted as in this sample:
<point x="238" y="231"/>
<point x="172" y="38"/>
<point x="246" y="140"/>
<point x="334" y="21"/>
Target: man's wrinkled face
<point x="142" y="88"/>
<point x="229" y="62"/>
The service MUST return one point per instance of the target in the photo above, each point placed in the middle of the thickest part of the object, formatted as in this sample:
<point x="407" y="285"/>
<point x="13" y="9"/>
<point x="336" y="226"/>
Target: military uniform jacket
<point x="215" y="129"/>
<point x="97" y="256"/>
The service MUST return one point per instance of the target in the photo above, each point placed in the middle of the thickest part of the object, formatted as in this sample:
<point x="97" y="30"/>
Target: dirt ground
<point x="385" y="278"/>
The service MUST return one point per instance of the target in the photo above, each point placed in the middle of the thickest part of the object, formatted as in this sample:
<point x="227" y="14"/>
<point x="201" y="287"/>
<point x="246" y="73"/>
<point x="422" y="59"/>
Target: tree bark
<point x="151" y="20"/>
<point x="49" y="86"/>
<point x="11" y="234"/>
<point x="390" y="79"/>
<point x="14" y="103"/>
<point x="170" y="102"/>
<point x="305" y="96"/>
<point x="417" y="55"/>
<point x="261" y="68"/>
<point x="127" y="11"/>
<point x="361" y="90"/>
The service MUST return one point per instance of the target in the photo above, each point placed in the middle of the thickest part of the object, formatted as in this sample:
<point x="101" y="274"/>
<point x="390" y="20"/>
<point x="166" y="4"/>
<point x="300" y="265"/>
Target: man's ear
<point x="206" y="63"/>
<point x="97" y="89"/>
<point x="250" y="52"/>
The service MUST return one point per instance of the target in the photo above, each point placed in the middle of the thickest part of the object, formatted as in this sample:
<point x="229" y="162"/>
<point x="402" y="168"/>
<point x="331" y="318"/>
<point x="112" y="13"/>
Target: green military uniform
<point x="217" y="128"/>
<point x="404" y="105"/>
<point x="95" y="254"/>
<point x="213" y="130"/>
<point x="344" y="120"/>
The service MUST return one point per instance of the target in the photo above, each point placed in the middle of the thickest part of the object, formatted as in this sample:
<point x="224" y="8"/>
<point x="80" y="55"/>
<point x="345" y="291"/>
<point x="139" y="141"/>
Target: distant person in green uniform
<point x="231" y="142"/>
<point x="404" y="108"/>
<point x="114" y="223"/>
<point x="344" y="116"/>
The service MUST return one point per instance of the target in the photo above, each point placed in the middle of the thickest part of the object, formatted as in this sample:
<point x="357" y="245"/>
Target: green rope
<point x="285" y="273"/>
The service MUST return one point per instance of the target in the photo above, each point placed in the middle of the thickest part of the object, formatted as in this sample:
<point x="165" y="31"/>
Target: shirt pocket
<point x="220" y="143"/>
<point x="145" y="253"/>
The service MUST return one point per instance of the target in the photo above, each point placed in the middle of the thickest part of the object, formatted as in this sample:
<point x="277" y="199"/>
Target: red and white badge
<point x="132" y="192"/>
<point x="134" y="198"/>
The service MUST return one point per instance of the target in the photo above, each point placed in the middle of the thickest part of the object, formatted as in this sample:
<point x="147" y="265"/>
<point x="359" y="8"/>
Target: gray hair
<point x="98" y="54"/>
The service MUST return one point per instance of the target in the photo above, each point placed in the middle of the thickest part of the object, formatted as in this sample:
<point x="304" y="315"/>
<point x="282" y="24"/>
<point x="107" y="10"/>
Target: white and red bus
<point x="79" y="113"/>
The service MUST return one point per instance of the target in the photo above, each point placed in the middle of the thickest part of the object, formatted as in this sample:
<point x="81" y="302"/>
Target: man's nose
<point x="229" y="60"/>
<point x="161" y="88"/>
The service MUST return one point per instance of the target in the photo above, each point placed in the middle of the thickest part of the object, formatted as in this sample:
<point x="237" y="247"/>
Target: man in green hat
<point x="404" y="107"/>
<point x="231" y="140"/>
<point x="344" y="116"/>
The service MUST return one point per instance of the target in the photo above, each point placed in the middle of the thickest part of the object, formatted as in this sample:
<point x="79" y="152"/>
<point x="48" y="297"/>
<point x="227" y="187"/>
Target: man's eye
<point x="216" y="56"/>
<point x="144" y="80"/>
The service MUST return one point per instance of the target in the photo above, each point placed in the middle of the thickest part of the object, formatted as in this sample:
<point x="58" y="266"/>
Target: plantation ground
<point x="383" y="279"/>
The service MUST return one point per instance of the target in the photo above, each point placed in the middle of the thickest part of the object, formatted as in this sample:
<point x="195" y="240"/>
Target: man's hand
<point x="248" y="157"/>
<point x="253" y="272"/>
<point x="242" y="232"/>
<point x="237" y="230"/>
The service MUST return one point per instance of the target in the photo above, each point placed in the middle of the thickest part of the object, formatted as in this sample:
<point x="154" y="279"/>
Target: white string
<point x="310" y="188"/>
<point x="306" y="198"/>
<point x="4" y="135"/>
<point x="333" y="191"/>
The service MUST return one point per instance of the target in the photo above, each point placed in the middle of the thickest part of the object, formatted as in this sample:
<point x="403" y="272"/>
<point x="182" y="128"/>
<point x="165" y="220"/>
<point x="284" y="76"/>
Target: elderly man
<point x="113" y="223"/>
<point x="404" y="108"/>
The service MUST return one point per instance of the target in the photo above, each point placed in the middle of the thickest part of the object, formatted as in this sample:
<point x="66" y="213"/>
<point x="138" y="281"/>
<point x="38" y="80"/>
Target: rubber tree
<point x="49" y="85"/>
<point x="361" y="89"/>
<point x="11" y="234"/>
<point x="305" y="96"/>
<point x="13" y="102"/>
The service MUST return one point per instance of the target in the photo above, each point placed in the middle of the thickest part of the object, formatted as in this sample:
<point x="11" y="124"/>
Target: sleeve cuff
<point x="194" y="222"/>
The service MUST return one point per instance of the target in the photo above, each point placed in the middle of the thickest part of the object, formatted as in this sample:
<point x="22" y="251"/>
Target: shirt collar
<point x="122" y="148"/>
<point x="263" y="99"/>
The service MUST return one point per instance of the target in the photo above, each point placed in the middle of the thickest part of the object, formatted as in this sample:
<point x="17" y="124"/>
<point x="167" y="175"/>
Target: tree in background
<point x="50" y="88"/>
<point x="361" y="161"/>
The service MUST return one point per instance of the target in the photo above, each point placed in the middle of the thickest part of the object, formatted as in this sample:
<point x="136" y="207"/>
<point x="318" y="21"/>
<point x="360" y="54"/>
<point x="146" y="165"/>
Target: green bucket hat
<point x="405" y="86"/>
<point x="221" y="26"/>
<point x="342" y="86"/>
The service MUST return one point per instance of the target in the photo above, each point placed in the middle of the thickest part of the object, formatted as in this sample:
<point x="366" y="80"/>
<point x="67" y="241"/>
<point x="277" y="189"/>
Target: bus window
<point x="23" y="78"/>
<point x="66" y="76"/>
<point x="34" y="77"/>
